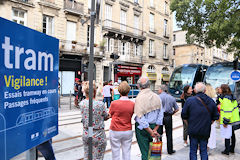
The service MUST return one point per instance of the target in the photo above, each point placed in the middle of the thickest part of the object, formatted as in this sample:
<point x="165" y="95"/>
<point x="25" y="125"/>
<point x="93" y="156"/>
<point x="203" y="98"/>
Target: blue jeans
<point x="46" y="150"/>
<point x="108" y="100"/>
<point x="194" y="146"/>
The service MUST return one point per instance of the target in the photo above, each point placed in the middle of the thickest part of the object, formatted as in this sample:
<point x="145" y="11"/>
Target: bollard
<point x="31" y="154"/>
<point x="132" y="92"/>
<point x="70" y="104"/>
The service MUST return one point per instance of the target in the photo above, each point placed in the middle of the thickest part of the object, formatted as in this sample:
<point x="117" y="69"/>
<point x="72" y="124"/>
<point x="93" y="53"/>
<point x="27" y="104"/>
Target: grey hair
<point x="143" y="82"/>
<point x="200" y="87"/>
<point x="163" y="88"/>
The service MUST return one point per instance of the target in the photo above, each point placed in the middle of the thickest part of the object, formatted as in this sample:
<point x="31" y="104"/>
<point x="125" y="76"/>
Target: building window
<point x="165" y="70"/>
<point x="173" y="63"/>
<point x="152" y="3"/>
<point x="174" y="51"/>
<point x="166" y="7"/>
<point x="136" y="24"/>
<point x="121" y="47"/>
<point x="108" y="15"/>
<point x="174" y="37"/>
<point x="123" y="20"/>
<point x="111" y="45"/>
<point x="71" y="31"/>
<point x="165" y="27"/>
<point x="88" y="35"/>
<point x="151" y="48"/>
<point x="48" y="25"/>
<point x="137" y="50"/>
<point x="151" y="69"/>
<point x="165" y="55"/>
<point x="151" y="22"/>
<point x="19" y="16"/>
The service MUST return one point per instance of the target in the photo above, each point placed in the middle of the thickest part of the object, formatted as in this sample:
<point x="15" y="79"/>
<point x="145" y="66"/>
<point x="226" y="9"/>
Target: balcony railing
<point x="27" y="2"/>
<point x="122" y="28"/>
<point x="73" y="7"/>
<point x="78" y="48"/>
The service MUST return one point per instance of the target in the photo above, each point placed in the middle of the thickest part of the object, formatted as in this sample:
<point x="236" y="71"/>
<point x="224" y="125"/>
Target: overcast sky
<point x="175" y="28"/>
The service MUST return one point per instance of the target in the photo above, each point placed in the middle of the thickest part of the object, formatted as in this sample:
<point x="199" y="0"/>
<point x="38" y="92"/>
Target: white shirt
<point x="106" y="91"/>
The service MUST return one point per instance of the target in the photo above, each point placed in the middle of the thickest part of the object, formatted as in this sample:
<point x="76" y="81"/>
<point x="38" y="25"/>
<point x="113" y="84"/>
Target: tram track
<point x="69" y="119"/>
<point x="81" y="145"/>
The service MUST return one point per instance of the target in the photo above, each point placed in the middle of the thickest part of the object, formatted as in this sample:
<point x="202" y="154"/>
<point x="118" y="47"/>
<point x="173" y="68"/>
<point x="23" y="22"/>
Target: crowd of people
<point x="200" y="110"/>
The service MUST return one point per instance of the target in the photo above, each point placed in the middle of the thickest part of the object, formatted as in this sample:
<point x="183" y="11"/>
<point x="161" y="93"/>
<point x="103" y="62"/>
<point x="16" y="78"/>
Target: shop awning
<point x="165" y="77"/>
<point x="152" y="76"/>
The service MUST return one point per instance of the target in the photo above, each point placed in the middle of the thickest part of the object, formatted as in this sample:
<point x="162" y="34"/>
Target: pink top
<point x="121" y="111"/>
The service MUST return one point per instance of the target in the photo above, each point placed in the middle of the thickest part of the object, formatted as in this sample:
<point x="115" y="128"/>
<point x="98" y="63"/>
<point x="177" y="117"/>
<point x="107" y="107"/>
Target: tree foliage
<point x="213" y="22"/>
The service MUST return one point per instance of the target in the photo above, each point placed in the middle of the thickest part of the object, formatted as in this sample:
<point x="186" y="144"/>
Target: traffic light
<point x="84" y="68"/>
<point x="235" y="64"/>
<point x="114" y="56"/>
<point x="116" y="69"/>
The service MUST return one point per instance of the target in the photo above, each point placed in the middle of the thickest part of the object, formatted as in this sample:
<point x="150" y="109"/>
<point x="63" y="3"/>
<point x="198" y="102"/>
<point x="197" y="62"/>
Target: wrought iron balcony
<point x="73" y="7"/>
<point x="123" y="29"/>
<point x="24" y="2"/>
<point x="73" y="47"/>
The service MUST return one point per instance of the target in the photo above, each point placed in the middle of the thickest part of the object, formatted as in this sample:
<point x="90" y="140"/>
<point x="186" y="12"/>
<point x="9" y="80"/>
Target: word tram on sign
<point x="29" y="62"/>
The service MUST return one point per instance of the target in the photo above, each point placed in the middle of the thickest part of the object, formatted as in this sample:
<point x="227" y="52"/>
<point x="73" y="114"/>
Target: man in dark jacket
<point x="199" y="114"/>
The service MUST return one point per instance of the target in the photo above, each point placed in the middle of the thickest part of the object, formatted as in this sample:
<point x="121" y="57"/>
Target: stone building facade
<point x="196" y="53"/>
<point x="139" y="31"/>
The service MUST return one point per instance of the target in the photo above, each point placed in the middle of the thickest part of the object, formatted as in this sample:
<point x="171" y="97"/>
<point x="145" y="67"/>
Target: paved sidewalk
<point x="72" y="149"/>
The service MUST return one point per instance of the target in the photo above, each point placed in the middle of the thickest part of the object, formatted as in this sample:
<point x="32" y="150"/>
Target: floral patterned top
<point x="99" y="113"/>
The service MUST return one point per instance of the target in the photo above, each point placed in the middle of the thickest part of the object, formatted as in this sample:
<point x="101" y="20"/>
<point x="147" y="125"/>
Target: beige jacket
<point x="146" y="102"/>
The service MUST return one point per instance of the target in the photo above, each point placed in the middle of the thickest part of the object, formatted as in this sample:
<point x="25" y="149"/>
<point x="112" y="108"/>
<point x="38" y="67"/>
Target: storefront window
<point x="151" y="69"/>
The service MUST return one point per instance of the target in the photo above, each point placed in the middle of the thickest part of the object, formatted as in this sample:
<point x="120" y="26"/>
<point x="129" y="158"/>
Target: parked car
<point x="134" y="91"/>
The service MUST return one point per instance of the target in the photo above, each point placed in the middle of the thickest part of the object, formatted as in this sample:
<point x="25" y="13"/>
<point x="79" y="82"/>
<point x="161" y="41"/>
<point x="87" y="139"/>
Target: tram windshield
<point x="218" y="74"/>
<point x="182" y="76"/>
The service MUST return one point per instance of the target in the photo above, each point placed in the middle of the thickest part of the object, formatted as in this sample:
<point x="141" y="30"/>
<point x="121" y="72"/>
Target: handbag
<point x="155" y="149"/>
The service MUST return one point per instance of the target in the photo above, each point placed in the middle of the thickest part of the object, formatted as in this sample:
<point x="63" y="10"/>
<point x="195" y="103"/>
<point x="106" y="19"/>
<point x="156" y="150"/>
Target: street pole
<point x="31" y="154"/>
<point x="90" y="77"/>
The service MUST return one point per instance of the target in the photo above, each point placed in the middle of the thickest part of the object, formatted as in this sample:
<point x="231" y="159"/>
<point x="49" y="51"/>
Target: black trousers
<point x="167" y="122"/>
<point x="228" y="147"/>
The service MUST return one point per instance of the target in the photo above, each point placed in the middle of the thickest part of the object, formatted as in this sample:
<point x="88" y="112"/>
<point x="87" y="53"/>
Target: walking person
<point x="199" y="112"/>
<point x="149" y="116"/>
<point x="187" y="92"/>
<point x="76" y="92"/>
<point x="212" y="139"/>
<point x="46" y="149"/>
<point x="107" y="94"/>
<point x="100" y="114"/>
<point x="80" y="93"/>
<point x="120" y="134"/>
<point x="169" y="107"/>
<point x="229" y="112"/>
<point x="115" y="92"/>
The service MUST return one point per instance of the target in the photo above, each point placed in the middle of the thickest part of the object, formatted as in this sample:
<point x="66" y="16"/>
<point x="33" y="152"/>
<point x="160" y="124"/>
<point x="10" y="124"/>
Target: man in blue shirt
<point x="170" y="107"/>
<point x="149" y="115"/>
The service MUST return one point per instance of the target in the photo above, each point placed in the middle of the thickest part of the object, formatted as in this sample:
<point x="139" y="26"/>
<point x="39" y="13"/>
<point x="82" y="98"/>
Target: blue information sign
<point x="29" y="65"/>
<point x="235" y="75"/>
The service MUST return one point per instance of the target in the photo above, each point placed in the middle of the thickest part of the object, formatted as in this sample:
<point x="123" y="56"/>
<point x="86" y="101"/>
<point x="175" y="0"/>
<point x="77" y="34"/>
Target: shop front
<point x="152" y="78"/>
<point x="131" y="74"/>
